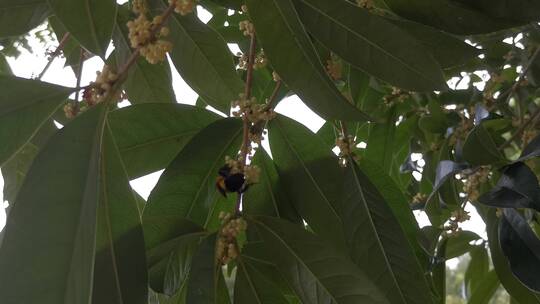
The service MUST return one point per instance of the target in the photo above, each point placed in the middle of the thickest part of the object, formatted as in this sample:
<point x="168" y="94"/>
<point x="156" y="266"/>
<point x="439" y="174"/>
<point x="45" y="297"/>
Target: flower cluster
<point x="247" y="28"/>
<point x="102" y="87"/>
<point x="275" y="76"/>
<point x="528" y="136"/>
<point x="419" y="198"/>
<point x="346" y="146"/>
<point x="473" y="181"/>
<point x="457" y="217"/>
<point x="227" y="246"/>
<point x="242" y="61"/>
<point x="256" y="114"/>
<point x="183" y="7"/>
<point x="143" y="36"/>
<point x="260" y="61"/>
<point x="367" y="4"/>
<point x="251" y="173"/>
<point x="334" y="68"/>
<point x="397" y="96"/>
<point x="460" y="133"/>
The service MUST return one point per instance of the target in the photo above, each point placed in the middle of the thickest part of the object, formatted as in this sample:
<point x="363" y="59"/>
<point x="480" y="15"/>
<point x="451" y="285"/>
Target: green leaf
<point x="448" y="51"/>
<point x="520" y="11"/>
<point x="120" y="274"/>
<point x="4" y="66"/>
<point x="372" y="44"/>
<point x="304" y="162"/>
<point x="170" y="243"/>
<point x="14" y="171"/>
<point x="203" y="59"/>
<point x="25" y="105"/>
<point x="146" y="82"/>
<point x="206" y="283"/>
<point x="90" y="22"/>
<point x="294" y="58"/>
<point x="149" y="136"/>
<point x="447" y="15"/>
<point x="56" y="217"/>
<point x="17" y="17"/>
<point x="72" y="49"/>
<point x="252" y="287"/>
<point x="480" y="149"/>
<point x="377" y="243"/>
<point x="485" y="291"/>
<point x="477" y="269"/>
<point x="268" y="197"/>
<point x="517" y="290"/>
<point x="316" y="271"/>
<point x="187" y="187"/>
<point x="382" y="141"/>
<point x="459" y="244"/>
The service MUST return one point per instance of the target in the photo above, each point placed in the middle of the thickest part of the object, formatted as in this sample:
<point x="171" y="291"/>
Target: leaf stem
<point x="55" y="54"/>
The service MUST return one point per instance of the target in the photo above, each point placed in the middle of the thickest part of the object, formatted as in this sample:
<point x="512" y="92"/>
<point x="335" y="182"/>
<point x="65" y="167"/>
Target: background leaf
<point x="20" y="16"/>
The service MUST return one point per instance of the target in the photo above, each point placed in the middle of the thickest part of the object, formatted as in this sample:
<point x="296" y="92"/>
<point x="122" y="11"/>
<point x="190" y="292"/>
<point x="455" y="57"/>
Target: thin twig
<point x="526" y="69"/>
<point x="272" y="101"/>
<point x="55" y="54"/>
<point x="79" y="75"/>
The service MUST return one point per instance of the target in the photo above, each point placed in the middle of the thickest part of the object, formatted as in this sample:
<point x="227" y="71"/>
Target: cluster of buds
<point x="183" y="7"/>
<point x="71" y="110"/>
<point x="346" y="146"/>
<point x="473" y="181"/>
<point x="102" y="88"/>
<point x="367" y="4"/>
<point x="242" y="61"/>
<point x="397" y="96"/>
<point x="144" y="35"/>
<point x="275" y="76"/>
<point x="260" y="61"/>
<point x="460" y="133"/>
<point x="256" y="114"/>
<point x="528" y="136"/>
<point x="334" y="68"/>
<point x="419" y="198"/>
<point x="457" y="217"/>
<point x="247" y="28"/>
<point x="227" y="246"/>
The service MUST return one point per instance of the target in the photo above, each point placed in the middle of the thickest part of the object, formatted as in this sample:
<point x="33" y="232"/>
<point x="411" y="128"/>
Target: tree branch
<point x="55" y="54"/>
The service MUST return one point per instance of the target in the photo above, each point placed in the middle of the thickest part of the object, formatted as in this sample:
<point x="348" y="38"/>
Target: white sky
<point x="29" y="65"/>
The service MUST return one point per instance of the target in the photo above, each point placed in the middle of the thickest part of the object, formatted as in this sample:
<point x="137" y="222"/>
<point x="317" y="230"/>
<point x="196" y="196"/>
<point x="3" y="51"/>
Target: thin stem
<point x="272" y="101"/>
<point x="55" y="54"/>
<point x="247" y="95"/>
<point x="79" y="75"/>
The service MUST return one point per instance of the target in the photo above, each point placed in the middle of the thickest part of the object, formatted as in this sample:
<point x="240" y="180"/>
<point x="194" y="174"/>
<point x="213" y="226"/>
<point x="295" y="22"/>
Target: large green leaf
<point x="316" y="271"/>
<point x="25" y="105"/>
<point x="149" y="136"/>
<point x="146" y="82"/>
<point x="448" y="15"/>
<point x="253" y="287"/>
<point x="91" y="22"/>
<point x="520" y="11"/>
<point x="484" y="292"/>
<point x="294" y="58"/>
<point x="477" y="269"/>
<point x="372" y="44"/>
<point x="382" y="141"/>
<point x="120" y="274"/>
<point x="480" y="149"/>
<point x="459" y="244"/>
<point x="310" y="175"/>
<point x="187" y="187"/>
<point x="20" y="16"/>
<point x="206" y="283"/>
<point x="63" y="272"/>
<point x="518" y="291"/>
<point x="377" y="243"/>
<point x="268" y="197"/>
<point x="203" y="59"/>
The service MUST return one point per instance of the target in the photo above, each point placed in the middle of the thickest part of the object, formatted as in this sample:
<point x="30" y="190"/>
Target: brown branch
<point x="272" y="101"/>
<point x="247" y="95"/>
<point x="55" y="54"/>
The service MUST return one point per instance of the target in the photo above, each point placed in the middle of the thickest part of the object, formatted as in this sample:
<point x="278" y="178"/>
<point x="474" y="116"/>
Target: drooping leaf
<point x="25" y="105"/>
<point x="90" y="22"/>
<point x="252" y="287"/>
<point x="446" y="169"/>
<point x="377" y="243"/>
<point x="146" y="82"/>
<point x="372" y="44"/>
<point x="203" y="60"/>
<point x="206" y="284"/>
<point x="294" y="58"/>
<point x="170" y="244"/>
<point x="187" y="187"/>
<point x="480" y="149"/>
<point x="315" y="270"/>
<point x="459" y="244"/>
<point x="20" y="16"/>
<point x="531" y="150"/>
<point x="477" y="269"/>
<point x="59" y="219"/>
<point x="517" y="188"/>
<point x="486" y="289"/>
<point x="304" y="162"/>
<point x="447" y="15"/>
<point x="268" y="196"/>
<point x="515" y="288"/>
<point x="150" y="135"/>
<point x="521" y="247"/>
<point x="120" y="274"/>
